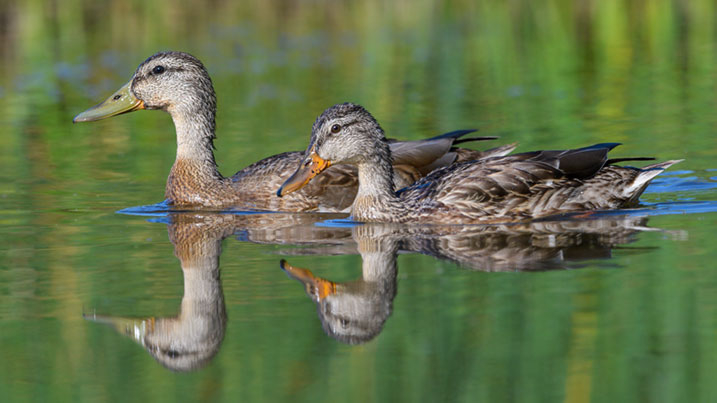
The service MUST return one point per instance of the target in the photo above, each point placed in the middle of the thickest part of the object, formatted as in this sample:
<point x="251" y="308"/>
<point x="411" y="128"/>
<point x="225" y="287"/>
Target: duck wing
<point x="579" y="163"/>
<point x="413" y="160"/>
<point x="481" y="181"/>
<point x="425" y="154"/>
<point x="497" y="176"/>
<point x="533" y="184"/>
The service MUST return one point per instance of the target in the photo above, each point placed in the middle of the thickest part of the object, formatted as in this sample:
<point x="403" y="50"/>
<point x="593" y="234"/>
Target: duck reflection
<point x="355" y="312"/>
<point x="191" y="339"/>
<point x="548" y="245"/>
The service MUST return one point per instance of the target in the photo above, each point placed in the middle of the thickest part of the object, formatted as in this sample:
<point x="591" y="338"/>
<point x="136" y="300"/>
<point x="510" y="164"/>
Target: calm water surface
<point x="97" y="305"/>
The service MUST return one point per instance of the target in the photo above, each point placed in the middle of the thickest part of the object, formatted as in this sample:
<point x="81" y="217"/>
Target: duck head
<point x="343" y="134"/>
<point x="175" y="82"/>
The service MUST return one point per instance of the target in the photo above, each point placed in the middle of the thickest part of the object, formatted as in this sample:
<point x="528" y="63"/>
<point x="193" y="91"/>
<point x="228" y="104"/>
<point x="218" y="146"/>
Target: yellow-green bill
<point x="122" y="101"/>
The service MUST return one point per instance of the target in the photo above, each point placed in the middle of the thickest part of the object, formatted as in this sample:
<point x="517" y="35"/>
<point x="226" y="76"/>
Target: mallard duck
<point x="499" y="189"/>
<point x="179" y="84"/>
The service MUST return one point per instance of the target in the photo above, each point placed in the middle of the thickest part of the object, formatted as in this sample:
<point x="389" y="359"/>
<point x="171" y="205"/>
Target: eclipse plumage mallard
<point x="178" y="83"/>
<point x="498" y="189"/>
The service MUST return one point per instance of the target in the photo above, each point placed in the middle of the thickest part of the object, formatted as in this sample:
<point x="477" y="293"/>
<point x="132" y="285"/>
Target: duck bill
<point x="122" y="101"/>
<point x="313" y="166"/>
<point x="135" y="329"/>
<point x="316" y="287"/>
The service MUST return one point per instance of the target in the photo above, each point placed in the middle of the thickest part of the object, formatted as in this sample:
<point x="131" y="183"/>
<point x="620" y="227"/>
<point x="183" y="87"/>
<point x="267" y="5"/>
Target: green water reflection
<point x="636" y="322"/>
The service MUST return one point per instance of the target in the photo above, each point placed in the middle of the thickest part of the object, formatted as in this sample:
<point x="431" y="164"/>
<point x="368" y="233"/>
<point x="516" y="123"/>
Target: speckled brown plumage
<point x="509" y="188"/>
<point x="179" y="84"/>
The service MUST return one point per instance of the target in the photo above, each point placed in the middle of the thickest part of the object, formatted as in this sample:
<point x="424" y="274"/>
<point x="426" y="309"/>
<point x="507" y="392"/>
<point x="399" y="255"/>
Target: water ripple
<point x="672" y="183"/>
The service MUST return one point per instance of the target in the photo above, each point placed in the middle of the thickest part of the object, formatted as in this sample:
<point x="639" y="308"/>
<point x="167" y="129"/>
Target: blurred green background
<point x="641" y="326"/>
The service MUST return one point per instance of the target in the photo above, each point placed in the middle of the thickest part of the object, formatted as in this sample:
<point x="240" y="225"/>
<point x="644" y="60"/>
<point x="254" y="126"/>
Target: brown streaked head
<point x="343" y="134"/>
<point x="166" y="80"/>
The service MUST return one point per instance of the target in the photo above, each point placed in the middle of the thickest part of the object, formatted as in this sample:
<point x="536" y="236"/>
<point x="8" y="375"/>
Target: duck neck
<point x="195" y="136"/>
<point x="194" y="168"/>
<point x="378" y="254"/>
<point x="375" y="193"/>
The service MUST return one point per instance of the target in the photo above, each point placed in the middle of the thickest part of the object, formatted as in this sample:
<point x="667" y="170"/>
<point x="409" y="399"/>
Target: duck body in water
<point x="498" y="189"/>
<point x="179" y="84"/>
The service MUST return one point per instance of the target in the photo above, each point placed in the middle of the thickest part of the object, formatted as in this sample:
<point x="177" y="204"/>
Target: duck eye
<point x="335" y="129"/>
<point x="158" y="70"/>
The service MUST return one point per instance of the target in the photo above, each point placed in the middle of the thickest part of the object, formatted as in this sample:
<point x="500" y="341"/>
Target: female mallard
<point x="510" y="188"/>
<point x="178" y="83"/>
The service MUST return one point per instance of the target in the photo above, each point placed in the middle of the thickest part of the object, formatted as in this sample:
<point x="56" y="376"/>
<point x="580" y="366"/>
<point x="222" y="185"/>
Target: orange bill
<point x="313" y="166"/>
<point x="316" y="287"/>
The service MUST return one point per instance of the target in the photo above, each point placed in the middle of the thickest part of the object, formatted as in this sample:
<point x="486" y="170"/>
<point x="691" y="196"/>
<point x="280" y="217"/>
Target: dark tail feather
<point x="574" y="163"/>
<point x="457" y="134"/>
<point x="454" y="134"/>
<point x="609" y="146"/>
<point x="584" y="162"/>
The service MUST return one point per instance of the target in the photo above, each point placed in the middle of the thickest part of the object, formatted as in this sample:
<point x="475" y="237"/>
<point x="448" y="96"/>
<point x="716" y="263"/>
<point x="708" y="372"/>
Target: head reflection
<point x="354" y="312"/>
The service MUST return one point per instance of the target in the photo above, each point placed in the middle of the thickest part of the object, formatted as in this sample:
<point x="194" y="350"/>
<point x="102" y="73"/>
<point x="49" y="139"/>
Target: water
<point x="618" y="307"/>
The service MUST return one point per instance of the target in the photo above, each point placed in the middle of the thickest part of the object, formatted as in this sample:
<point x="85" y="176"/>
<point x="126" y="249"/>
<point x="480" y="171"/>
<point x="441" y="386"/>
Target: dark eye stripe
<point x="343" y="126"/>
<point x="153" y="72"/>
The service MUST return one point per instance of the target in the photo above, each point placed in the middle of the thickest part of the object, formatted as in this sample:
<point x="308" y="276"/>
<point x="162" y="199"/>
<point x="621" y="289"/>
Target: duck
<point x="516" y="187"/>
<point x="179" y="84"/>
